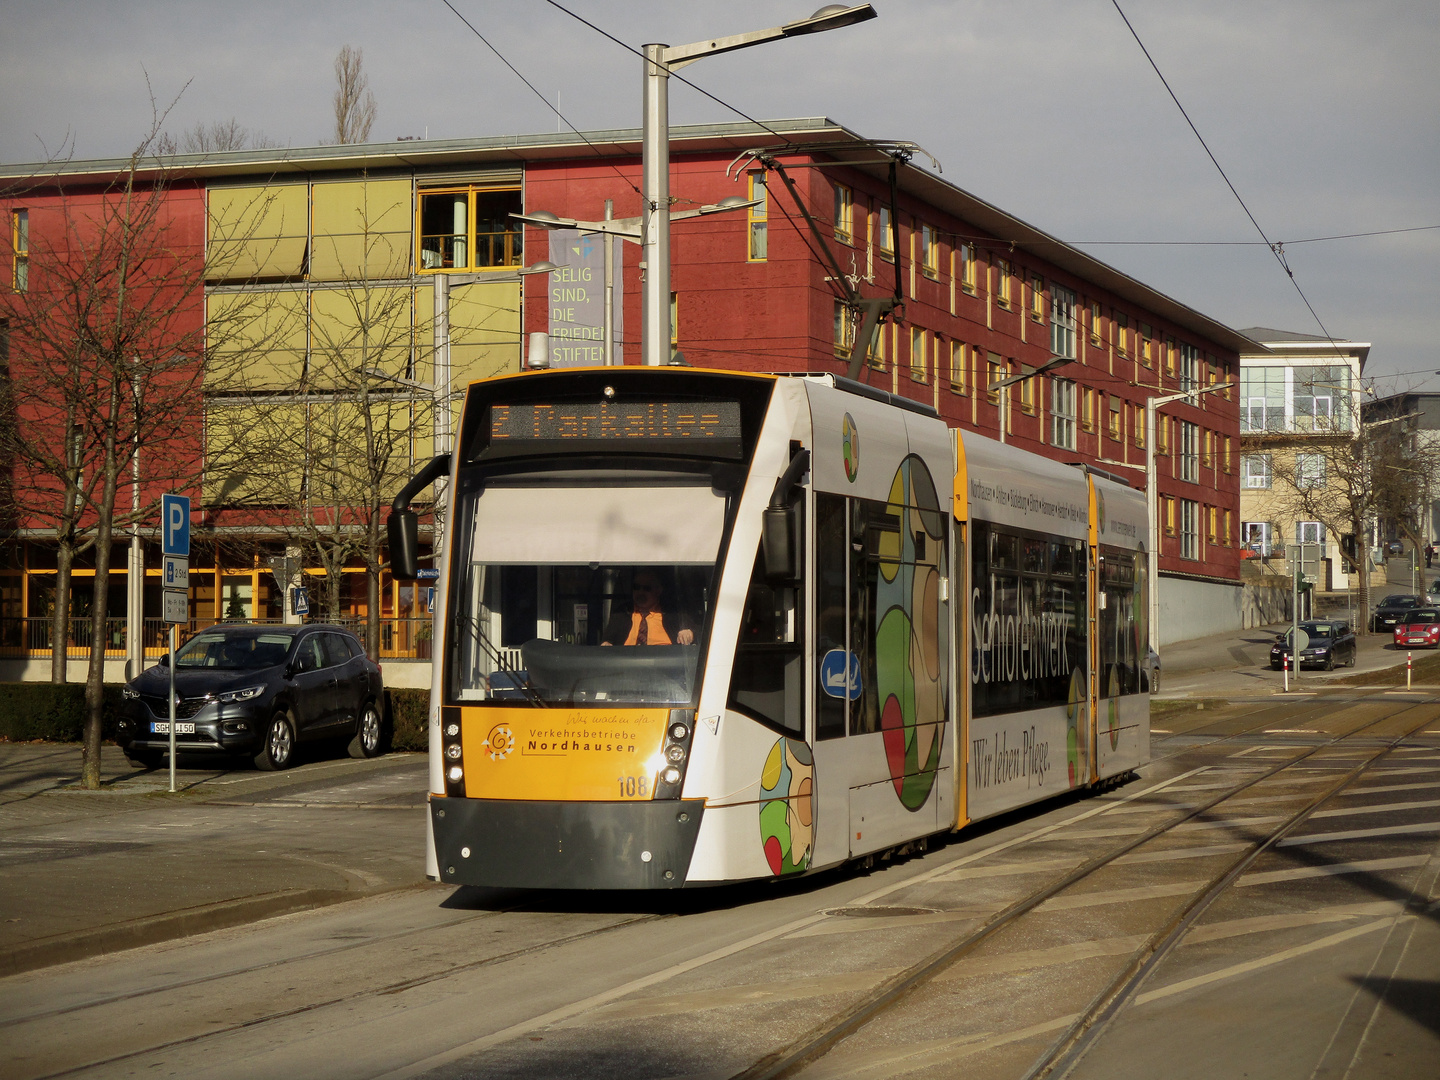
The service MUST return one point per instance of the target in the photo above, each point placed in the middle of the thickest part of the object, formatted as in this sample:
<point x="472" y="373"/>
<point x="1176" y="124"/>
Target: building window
<point x="1255" y="535"/>
<point x="929" y="252"/>
<point x="994" y="372"/>
<point x="1189" y="529"/>
<point x="1147" y="344"/>
<point x="20" y="245"/>
<point x="1212" y="524"/>
<point x="959" y="376"/>
<point x="674" y="320"/>
<point x="1122" y="333"/>
<point x="1207" y="450"/>
<point x="1026" y="387"/>
<point x="1087" y="408"/>
<point x="885" y="237"/>
<point x="1309" y="532"/>
<point x="1062" y="321"/>
<point x="1309" y="471"/>
<point x="967" y="268"/>
<point x="1116" y="422"/>
<point x="844" y="328"/>
<point x="1226" y="457"/>
<point x="1062" y="407"/>
<point x="1137" y="417"/>
<point x="759" y="219"/>
<point x="919" y="361"/>
<point x="470" y="228"/>
<point x="1002" y="282"/>
<point x="1162" y="434"/>
<point x="1189" y="366"/>
<point x="1169" y="516"/>
<point x="1255" y="471"/>
<point x="1037" y="298"/>
<point x="1170" y="357"/>
<point x="844" y="214"/>
<point x="1096" y="328"/>
<point x="1189" y="451"/>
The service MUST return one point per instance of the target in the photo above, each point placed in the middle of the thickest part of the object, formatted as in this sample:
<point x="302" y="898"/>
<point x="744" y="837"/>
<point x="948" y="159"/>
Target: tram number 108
<point x="634" y="787"/>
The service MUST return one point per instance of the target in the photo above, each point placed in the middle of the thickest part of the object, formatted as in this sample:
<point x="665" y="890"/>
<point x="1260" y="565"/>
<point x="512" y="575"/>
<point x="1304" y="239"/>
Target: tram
<point x="697" y="627"/>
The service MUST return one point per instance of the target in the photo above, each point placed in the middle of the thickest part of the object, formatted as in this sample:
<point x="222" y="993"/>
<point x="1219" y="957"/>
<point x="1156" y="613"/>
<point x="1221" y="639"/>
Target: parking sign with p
<point x="175" y="525"/>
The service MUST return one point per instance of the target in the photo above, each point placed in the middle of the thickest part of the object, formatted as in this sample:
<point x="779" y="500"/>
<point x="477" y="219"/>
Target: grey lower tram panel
<point x="565" y="845"/>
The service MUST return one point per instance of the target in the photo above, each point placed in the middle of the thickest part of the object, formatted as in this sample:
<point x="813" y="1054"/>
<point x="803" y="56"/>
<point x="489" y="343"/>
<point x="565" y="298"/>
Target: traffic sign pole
<point x="175" y="547"/>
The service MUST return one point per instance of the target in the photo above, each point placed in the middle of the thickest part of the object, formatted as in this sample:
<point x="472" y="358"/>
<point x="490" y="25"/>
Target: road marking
<point x="1121" y="896"/>
<point x="939" y="1052"/>
<point x="970" y="873"/>
<point x="604" y="997"/>
<point x="1181" y="853"/>
<point x="844" y="925"/>
<point x="1037" y="958"/>
<point x="1424" y="804"/>
<point x="1333" y="869"/>
<point x="747" y="994"/>
<point x="1382" y="789"/>
<point x="1261" y="924"/>
<point x="1230" y="823"/>
<point x="1265" y="961"/>
<point x="1264" y="749"/>
<point x="1360" y="834"/>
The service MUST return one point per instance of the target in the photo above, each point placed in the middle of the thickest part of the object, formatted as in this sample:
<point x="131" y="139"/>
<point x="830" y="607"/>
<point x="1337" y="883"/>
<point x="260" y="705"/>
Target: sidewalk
<point x="82" y="872"/>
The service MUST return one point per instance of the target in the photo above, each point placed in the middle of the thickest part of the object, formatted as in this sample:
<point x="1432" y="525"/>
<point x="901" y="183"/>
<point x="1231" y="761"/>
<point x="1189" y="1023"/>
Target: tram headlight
<point x="456" y="774"/>
<point x="453" y="751"/>
<point x="452" y="731"/>
<point x="671" y="775"/>
<point x="675" y="754"/>
<point x="678" y="732"/>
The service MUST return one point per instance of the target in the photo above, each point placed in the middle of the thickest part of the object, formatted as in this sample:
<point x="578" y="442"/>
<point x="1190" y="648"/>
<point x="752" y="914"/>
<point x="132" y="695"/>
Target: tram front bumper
<point x="565" y="845"/>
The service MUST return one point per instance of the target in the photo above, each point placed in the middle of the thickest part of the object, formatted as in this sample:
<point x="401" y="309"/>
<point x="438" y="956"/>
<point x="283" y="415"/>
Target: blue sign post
<point x="175" y="546"/>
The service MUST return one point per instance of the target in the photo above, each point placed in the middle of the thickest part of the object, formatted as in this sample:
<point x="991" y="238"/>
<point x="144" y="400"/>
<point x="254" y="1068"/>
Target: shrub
<point x="409" y="712"/>
<point x="36" y="710"/>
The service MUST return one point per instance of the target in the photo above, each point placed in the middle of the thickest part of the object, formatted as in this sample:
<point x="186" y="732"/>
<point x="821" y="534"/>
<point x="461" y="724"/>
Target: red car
<point x="1418" y="629"/>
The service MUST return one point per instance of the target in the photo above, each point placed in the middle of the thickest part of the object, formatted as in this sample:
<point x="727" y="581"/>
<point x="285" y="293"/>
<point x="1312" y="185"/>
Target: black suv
<point x="256" y="690"/>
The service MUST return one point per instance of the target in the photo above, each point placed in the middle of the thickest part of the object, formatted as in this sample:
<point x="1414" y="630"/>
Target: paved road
<point x="1318" y="959"/>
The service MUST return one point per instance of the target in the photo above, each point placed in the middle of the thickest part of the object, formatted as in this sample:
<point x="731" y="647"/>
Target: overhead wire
<point x="555" y="109"/>
<point x="1277" y="249"/>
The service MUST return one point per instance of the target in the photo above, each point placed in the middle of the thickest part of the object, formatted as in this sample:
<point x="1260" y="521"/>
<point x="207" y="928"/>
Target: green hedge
<point x="409" y="712"/>
<point x="36" y="710"/>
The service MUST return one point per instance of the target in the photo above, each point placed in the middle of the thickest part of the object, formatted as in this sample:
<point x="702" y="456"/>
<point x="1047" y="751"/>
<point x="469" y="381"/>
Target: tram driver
<point x="647" y="622"/>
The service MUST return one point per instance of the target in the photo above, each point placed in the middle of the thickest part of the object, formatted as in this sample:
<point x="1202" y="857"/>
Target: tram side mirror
<point x="404" y="534"/>
<point x="780" y="544"/>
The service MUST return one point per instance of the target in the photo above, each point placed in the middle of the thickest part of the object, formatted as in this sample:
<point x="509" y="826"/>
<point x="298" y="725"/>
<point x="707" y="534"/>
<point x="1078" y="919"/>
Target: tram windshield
<point x="575" y="595"/>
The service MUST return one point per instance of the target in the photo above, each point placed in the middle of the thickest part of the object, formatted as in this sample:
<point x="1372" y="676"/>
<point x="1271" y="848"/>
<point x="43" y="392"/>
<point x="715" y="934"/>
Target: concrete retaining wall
<point x="1195" y="609"/>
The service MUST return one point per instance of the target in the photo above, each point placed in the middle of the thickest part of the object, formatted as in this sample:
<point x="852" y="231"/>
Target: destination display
<point x="711" y="427"/>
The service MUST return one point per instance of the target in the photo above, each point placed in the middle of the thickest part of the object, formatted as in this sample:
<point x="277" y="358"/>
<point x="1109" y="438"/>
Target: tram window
<point x="1121" y="623"/>
<point x="1033" y="553"/>
<point x="1003" y="549"/>
<point x="867" y="526"/>
<point x="830" y="596"/>
<point x="768" y="679"/>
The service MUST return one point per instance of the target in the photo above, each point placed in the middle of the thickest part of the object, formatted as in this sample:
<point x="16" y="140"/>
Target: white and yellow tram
<point x="697" y="627"/>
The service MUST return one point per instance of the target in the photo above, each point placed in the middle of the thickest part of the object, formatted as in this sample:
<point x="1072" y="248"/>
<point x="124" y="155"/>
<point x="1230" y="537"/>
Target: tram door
<point x="833" y="679"/>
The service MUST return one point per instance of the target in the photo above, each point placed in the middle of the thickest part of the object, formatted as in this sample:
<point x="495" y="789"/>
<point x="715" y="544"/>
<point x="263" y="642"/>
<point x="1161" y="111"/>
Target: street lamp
<point x="660" y="61"/>
<point x="1003" y="385"/>
<point x="1152" y="498"/>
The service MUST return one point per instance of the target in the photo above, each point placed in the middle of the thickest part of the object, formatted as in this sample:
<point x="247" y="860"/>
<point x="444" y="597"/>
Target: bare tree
<point x="218" y="137"/>
<point x="1346" y="481"/>
<point x="354" y="103"/>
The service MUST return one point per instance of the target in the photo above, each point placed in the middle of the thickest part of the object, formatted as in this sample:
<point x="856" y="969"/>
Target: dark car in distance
<point x="1331" y="643"/>
<point x="257" y="691"/>
<point x="1393" y="609"/>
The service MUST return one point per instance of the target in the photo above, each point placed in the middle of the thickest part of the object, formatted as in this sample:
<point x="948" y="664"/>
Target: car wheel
<point x="1330" y="662"/>
<point x="279" y="747"/>
<point x="145" y="759"/>
<point x="1275" y="667"/>
<point x="366" y="743"/>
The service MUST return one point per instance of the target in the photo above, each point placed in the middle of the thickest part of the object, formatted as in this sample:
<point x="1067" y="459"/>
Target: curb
<point x="157" y="928"/>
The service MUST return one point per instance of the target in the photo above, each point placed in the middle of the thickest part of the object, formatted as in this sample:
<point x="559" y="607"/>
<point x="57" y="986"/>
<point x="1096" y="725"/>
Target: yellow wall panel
<point x="484" y="331"/>
<point x="257" y="339"/>
<point x="362" y="230"/>
<point x="359" y="328"/>
<point x="254" y="451"/>
<point x="257" y="232"/>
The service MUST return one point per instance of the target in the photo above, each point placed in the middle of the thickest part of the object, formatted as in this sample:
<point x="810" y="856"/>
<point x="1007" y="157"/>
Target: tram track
<point x="792" y="1059"/>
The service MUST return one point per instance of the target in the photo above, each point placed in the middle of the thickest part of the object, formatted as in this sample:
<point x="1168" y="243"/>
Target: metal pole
<point x="172" y="707"/>
<point x="1152" y="517"/>
<point x="655" y="223"/>
<point x="441" y="386"/>
<point x="609" y="287"/>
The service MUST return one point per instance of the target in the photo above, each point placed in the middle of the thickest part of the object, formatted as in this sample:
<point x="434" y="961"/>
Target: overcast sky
<point x="1325" y="115"/>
